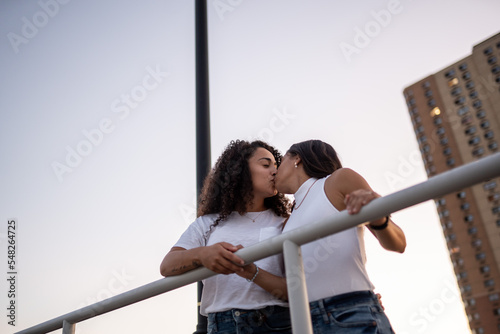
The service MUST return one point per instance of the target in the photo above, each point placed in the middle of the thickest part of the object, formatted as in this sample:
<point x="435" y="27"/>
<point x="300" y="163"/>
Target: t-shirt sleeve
<point x="195" y="234"/>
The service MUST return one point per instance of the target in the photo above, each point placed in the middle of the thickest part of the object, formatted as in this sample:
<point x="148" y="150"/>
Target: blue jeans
<point x="353" y="313"/>
<point x="271" y="319"/>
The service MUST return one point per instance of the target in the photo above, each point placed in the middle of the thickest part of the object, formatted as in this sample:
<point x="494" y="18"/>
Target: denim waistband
<point x="347" y="299"/>
<point x="241" y="312"/>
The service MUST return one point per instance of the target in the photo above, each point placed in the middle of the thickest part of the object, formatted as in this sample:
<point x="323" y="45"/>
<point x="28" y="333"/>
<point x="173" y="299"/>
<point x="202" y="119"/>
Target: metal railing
<point x="289" y="243"/>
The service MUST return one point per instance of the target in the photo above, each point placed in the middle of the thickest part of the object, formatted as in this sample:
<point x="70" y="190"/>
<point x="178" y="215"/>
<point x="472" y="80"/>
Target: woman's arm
<point x="273" y="284"/>
<point x="219" y="258"/>
<point x="348" y="190"/>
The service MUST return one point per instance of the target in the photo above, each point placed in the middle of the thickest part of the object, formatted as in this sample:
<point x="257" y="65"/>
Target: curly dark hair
<point x="228" y="186"/>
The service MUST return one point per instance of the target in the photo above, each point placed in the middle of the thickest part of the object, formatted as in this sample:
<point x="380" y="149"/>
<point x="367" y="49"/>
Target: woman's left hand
<point x="358" y="198"/>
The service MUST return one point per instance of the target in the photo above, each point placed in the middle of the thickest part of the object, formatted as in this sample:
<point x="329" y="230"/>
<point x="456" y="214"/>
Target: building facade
<point x="456" y="117"/>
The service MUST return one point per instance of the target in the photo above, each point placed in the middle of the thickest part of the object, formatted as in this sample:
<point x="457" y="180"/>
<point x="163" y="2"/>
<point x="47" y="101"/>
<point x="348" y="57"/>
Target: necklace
<point x="253" y="219"/>
<point x="296" y="207"/>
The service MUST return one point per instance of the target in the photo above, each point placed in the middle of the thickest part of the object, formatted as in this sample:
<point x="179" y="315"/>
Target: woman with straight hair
<point x="340" y="292"/>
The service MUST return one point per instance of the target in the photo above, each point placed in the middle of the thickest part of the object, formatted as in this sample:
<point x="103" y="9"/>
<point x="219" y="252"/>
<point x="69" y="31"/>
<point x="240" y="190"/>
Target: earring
<point x="296" y="165"/>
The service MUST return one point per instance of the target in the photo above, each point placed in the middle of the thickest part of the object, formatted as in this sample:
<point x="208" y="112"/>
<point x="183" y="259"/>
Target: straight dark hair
<point x="319" y="159"/>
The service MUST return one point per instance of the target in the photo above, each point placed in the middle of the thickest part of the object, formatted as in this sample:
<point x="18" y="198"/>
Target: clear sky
<point x="97" y="136"/>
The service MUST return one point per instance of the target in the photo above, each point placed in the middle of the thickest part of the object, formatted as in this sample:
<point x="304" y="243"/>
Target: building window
<point x="431" y="103"/>
<point x="472" y="231"/>
<point x="451" y="237"/>
<point x="414" y="111"/>
<point x="450" y="73"/>
<point x="489" y="134"/>
<point x="470" y="131"/>
<point x="461" y="194"/>
<point x="447" y="151"/>
<point x="463" y="67"/>
<point x="438" y="121"/>
<point x="493" y="146"/>
<point x="422" y="139"/>
<point x="489" y="283"/>
<point x="495" y="210"/>
<point x="492" y="60"/>
<point x="477" y="152"/>
<point x="466" y="288"/>
<point x="471" y="302"/>
<point x="462" y="111"/>
<point x="484" y="269"/>
<point x="426" y="148"/>
<point x="444" y="213"/>
<point x="470" y="84"/>
<point x="466" y="120"/>
<point x="453" y="82"/>
<point x="473" y="94"/>
<point x="440" y="202"/>
<point x="440" y="131"/>
<point x="465" y="206"/>
<point x="466" y="75"/>
<point x="497" y="79"/>
<point x="477" y="243"/>
<point x="412" y="101"/>
<point x="488" y="51"/>
<point x="480" y="256"/>
<point x="461" y="275"/>
<point x="474" y="140"/>
<point x="481" y="114"/>
<point x="494" y="297"/>
<point x="477" y="104"/>
<point x="456" y="91"/>
<point x="450" y="162"/>
<point x="496" y="69"/>
<point x="485" y="124"/>
<point x="444" y="141"/>
<point x="498" y="222"/>
<point x="428" y="93"/>
<point x="460" y="100"/>
<point x="469" y="218"/>
<point x="490" y="185"/>
<point x="494" y="197"/>
<point x="419" y="129"/>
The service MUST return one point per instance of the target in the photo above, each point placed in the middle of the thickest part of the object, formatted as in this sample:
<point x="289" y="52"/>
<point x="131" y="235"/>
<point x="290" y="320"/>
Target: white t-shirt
<point x="225" y="292"/>
<point x="335" y="264"/>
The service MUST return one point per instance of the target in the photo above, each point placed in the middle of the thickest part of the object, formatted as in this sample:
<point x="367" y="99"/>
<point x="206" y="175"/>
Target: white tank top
<point x="335" y="264"/>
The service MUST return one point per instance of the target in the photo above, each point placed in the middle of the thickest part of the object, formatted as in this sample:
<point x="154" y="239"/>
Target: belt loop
<point x="321" y="306"/>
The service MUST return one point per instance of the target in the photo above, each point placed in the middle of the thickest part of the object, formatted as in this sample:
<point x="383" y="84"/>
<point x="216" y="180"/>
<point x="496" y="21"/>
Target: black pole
<point x="203" y="162"/>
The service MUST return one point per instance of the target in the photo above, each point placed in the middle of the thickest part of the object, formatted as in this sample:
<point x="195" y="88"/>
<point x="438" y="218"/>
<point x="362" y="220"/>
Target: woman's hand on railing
<point x="220" y="258"/>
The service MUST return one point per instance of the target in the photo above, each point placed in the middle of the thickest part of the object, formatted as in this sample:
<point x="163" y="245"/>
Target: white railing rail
<point x="289" y="243"/>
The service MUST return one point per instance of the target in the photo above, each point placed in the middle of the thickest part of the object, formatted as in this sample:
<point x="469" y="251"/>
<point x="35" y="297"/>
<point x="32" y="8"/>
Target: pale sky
<point x="97" y="129"/>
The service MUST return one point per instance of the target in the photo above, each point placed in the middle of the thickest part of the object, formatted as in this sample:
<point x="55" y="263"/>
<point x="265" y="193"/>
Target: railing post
<point x="68" y="328"/>
<point x="297" y="291"/>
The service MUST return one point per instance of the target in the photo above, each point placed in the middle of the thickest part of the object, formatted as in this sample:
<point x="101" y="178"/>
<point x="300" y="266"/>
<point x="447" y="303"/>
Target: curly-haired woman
<point x="239" y="206"/>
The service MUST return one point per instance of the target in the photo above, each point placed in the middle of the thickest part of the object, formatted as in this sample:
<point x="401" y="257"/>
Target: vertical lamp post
<point x="203" y="162"/>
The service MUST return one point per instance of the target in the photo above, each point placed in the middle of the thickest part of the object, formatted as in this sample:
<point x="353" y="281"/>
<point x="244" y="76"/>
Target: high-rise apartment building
<point x="456" y="117"/>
